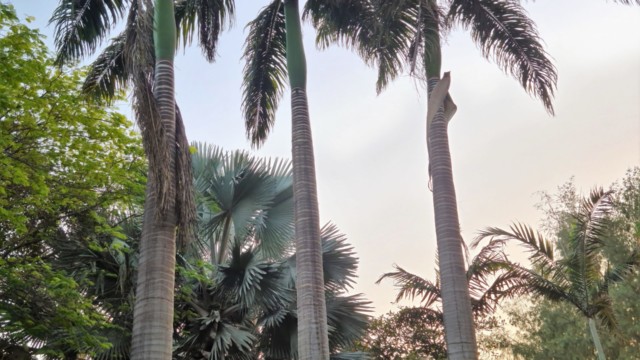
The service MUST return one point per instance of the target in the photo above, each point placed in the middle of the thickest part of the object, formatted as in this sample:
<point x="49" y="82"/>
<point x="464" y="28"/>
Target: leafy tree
<point x="146" y="61"/>
<point x="575" y="272"/>
<point x="66" y="160"/>
<point x="550" y="329"/>
<point x="410" y="333"/>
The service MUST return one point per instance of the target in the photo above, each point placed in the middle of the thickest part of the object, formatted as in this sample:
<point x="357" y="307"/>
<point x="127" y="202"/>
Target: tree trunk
<point x="153" y="312"/>
<point x="313" y="342"/>
<point x="596" y="339"/>
<point x="458" y="319"/>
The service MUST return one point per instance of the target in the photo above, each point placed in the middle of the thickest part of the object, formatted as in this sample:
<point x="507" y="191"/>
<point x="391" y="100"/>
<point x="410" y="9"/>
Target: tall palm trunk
<point x="153" y="313"/>
<point x="458" y="319"/>
<point x="313" y="343"/>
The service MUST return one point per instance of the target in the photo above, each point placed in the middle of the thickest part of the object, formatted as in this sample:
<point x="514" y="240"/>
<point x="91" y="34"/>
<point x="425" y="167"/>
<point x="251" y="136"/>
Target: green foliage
<point x="410" y="333"/>
<point x="557" y="330"/>
<point x="66" y="160"/>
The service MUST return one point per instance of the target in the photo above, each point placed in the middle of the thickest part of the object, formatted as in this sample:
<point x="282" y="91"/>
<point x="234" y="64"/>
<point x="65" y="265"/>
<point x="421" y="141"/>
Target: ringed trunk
<point x="313" y="342"/>
<point x="153" y="312"/>
<point x="458" y="318"/>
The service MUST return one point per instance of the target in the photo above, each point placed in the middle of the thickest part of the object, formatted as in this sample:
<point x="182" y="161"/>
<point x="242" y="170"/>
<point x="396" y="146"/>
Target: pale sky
<point x="371" y="151"/>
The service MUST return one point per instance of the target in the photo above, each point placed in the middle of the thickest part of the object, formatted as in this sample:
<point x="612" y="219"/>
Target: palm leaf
<point x="108" y="73"/>
<point x="274" y="225"/>
<point x="209" y="16"/>
<point x="505" y="33"/>
<point x="346" y="319"/>
<point x="540" y="249"/>
<point x="339" y="259"/>
<point x="628" y="2"/>
<point x="81" y="25"/>
<point x="265" y="71"/>
<point x="411" y="286"/>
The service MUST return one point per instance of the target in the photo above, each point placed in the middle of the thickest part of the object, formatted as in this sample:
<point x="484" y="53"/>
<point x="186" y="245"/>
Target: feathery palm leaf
<point x="628" y="2"/>
<point x="108" y="73"/>
<point x="209" y="16"/>
<point x="82" y="25"/>
<point x="412" y="286"/>
<point x="265" y="71"/>
<point x="504" y="32"/>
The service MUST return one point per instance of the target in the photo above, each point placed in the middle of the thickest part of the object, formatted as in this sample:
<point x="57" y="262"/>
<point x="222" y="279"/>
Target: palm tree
<point x="245" y="205"/>
<point x="398" y="35"/>
<point x="395" y="35"/>
<point x="80" y="27"/>
<point x="242" y="198"/>
<point x="273" y="51"/>
<point x="490" y="278"/>
<point x="248" y="310"/>
<point x="575" y="273"/>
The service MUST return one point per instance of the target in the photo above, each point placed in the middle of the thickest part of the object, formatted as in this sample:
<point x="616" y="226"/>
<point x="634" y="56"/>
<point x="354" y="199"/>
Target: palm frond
<point x="209" y="16"/>
<point x="535" y="243"/>
<point x="411" y="286"/>
<point x="347" y="320"/>
<point x="627" y="2"/>
<point x="108" y="73"/>
<point x="275" y="226"/>
<point x="185" y="196"/>
<point x="81" y="25"/>
<point x="623" y="270"/>
<point x="265" y="71"/>
<point x="504" y="32"/>
<point x="350" y="24"/>
<point x="398" y="28"/>
<point x="505" y="285"/>
<point x="339" y="259"/>
<point x="254" y="282"/>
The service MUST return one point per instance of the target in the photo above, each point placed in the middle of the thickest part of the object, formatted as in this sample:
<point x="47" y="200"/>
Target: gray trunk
<point x="153" y="312"/>
<point x="458" y="319"/>
<point x="312" y="313"/>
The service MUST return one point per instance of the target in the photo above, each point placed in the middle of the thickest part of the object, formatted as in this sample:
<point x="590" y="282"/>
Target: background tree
<point x="556" y="329"/>
<point x="575" y="272"/>
<point x="409" y="334"/>
<point x="66" y="160"/>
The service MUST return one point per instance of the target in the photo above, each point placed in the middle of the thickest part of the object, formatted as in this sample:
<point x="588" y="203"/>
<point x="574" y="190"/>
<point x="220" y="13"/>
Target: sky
<point x="371" y="158"/>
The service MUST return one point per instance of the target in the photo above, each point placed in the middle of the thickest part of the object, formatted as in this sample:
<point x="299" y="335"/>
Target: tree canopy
<point x="66" y="160"/>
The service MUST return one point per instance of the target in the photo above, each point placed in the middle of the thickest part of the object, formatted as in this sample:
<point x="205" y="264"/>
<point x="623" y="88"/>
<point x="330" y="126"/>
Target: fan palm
<point x="576" y="273"/>
<point x="80" y="27"/>
<point x="242" y="198"/>
<point x="346" y="314"/>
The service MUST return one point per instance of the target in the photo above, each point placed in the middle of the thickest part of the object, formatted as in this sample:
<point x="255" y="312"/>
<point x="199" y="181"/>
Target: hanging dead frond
<point x="185" y="198"/>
